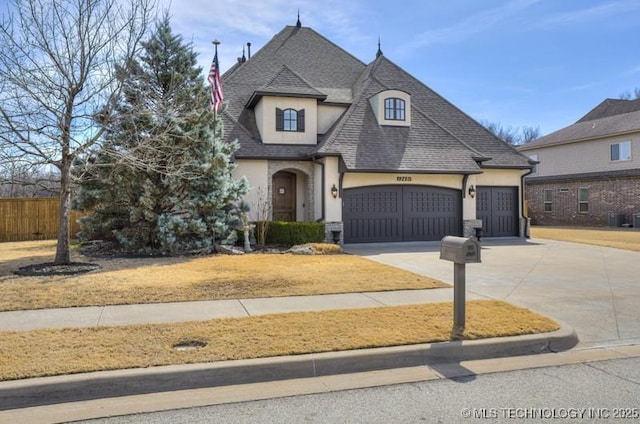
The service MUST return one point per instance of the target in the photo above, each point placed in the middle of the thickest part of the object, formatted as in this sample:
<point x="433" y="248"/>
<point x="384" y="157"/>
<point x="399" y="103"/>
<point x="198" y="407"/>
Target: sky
<point x="539" y="63"/>
<point x="535" y="63"/>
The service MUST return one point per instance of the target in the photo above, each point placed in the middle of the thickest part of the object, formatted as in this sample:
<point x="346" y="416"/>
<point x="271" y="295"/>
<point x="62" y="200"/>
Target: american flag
<point x="216" y="85"/>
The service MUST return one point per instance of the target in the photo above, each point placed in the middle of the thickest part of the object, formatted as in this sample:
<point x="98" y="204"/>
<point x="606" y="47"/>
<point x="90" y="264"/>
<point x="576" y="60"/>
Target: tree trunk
<point x="64" y="233"/>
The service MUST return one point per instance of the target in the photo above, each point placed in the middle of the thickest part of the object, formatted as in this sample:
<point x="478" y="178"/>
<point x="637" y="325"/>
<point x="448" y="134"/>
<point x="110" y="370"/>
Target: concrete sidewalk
<point x="37" y="392"/>
<point x="104" y="316"/>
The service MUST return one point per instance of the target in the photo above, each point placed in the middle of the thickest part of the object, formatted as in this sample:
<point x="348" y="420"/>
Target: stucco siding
<point x="332" y="177"/>
<point x="352" y="180"/>
<point x="497" y="177"/>
<point x="327" y="116"/>
<point x="256" y="172"/>
<point x="266" y="119"/>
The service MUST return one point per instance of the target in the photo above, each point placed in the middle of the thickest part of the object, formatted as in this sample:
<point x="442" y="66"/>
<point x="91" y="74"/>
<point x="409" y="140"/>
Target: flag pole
<point x="215" y="81"/>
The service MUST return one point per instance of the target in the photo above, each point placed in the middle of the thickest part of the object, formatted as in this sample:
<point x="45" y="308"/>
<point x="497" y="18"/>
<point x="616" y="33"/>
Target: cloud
<point x="602" y="12"/>
<point x="236" y="22"/>
<point x="470" y="26"/>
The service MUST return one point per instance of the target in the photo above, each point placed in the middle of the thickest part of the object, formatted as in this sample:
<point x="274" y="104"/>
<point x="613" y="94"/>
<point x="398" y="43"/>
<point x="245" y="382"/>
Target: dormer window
<point x="290" y="120"/>
<point x="394" y="109"/>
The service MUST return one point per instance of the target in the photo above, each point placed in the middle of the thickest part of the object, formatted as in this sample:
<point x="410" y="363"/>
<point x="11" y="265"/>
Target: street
<point x="604" y="391"/>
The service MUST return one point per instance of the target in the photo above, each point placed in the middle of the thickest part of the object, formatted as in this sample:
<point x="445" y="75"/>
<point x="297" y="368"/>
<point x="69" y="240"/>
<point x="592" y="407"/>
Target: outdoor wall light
<point x="334" y="191"/>
<point x="472" y="191"/>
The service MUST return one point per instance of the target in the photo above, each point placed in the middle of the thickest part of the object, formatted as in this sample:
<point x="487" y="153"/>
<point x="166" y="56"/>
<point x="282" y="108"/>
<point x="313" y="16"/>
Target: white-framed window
<point x="583" y="200"/>
<point x="548" y="200"/>
<point x="621" y="151"/>
<point x="394" y="109"/>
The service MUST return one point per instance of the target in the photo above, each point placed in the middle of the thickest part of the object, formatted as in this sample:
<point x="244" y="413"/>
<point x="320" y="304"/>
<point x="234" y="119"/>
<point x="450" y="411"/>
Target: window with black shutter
<point x="290" y="120"/>
<point x="279" y="120"/>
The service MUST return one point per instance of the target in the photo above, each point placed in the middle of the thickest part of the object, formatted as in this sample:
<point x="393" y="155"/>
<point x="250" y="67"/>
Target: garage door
<point x="400" y="213"/>
<point x="497" y="207"/>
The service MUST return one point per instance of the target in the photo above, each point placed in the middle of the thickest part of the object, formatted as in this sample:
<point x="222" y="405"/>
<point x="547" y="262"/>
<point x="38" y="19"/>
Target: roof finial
<point x="298" y="24"/>
<point x="244" y="58"/>
<point x="379" y="53"/>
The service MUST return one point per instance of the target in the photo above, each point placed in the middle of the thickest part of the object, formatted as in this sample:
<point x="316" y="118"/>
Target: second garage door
<point x="497" y="207"/>
<point x="400" y="213"/>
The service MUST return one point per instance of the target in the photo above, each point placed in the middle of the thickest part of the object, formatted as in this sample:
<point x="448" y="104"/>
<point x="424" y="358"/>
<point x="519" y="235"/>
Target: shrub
<point x="326" y="248"/>
<point x="292" y="233"/>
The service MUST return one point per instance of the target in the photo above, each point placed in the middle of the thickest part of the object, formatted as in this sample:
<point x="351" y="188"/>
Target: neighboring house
<point x="366" y="148"/>
<point x="589" y="172"/>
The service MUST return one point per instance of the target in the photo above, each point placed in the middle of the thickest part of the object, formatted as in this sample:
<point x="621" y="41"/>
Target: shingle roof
<point x="286" y="83"/>
<point x="611" y="107"/>
<point x="365" y="145"/>
<point x="586" y="130"/>
<point x="300" y="61"/>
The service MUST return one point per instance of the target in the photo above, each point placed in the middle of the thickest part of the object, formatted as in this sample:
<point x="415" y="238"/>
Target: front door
<point x="284" y="196"/>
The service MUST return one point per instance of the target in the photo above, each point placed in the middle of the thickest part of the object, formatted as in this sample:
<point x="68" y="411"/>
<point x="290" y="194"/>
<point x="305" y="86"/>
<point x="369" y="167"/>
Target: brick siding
<point x="618" y="196"/>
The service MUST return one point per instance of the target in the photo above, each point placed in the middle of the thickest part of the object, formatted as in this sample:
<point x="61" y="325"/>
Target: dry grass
<point x="53" y="352"/>
<point x="156" y="280"/>
<point x="620" y="238"/>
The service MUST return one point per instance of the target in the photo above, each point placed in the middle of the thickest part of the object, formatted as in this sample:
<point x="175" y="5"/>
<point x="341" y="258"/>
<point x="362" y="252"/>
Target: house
<point x="366" y="148"/>
<point x="589" y="172"/>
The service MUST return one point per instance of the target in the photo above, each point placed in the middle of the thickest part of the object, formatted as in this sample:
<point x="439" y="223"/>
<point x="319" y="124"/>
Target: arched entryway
<point x="283" y="197"/>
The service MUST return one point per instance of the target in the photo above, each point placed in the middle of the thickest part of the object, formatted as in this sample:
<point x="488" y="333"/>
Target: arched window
<point x="290" y="120"/>
<point x="394" y="109"/>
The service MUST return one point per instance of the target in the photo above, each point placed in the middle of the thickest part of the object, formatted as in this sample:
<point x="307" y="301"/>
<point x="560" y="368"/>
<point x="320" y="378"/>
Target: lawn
<point x="619" y="238"/>
<point x="28" y="354"/>
<point x="156" y="280"/>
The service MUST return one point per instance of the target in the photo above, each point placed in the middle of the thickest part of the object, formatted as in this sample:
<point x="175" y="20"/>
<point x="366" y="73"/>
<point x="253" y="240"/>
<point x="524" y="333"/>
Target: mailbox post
<point x="460" y="251"/>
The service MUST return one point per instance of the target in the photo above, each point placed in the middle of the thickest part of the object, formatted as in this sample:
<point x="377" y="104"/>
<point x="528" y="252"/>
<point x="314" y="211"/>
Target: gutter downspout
<point x="465" y="179"/>
<point x="522" y="203"/>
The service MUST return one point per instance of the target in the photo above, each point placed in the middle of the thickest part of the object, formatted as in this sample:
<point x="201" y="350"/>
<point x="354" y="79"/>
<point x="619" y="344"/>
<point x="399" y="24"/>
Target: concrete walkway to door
<point x="594" y="289"/>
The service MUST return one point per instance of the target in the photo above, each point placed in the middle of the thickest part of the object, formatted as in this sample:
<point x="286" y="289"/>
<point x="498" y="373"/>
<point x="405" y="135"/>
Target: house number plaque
<point x="281" y="190"/>
<point x="403" y="179"/>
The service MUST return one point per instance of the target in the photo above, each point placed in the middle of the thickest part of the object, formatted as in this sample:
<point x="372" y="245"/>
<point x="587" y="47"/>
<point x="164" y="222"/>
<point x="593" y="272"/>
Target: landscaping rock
<point x="304" y="249"/>
<point x="229" y="250"/>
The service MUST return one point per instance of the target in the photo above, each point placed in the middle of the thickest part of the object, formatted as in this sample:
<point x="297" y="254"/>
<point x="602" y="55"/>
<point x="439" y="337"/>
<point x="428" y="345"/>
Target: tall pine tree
<point x="161" y="182"/>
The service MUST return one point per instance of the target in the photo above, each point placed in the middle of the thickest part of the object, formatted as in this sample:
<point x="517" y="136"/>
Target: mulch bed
<point x="50" y="268"/>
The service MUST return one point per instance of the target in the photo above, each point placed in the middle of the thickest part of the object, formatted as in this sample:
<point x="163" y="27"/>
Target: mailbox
<point x="460" y="250"/>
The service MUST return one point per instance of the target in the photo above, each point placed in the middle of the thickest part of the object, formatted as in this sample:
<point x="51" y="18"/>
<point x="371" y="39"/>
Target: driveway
<point x="594" y="289"/>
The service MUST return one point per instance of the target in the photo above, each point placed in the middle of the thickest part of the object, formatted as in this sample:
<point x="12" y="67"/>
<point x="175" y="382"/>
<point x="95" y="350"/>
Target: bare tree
<point x="628" y="95"/>
<point x="529" y="134"/>
<point x="513" y="136"/>
<point x="58" y="61"/>
<point x="22" y="179"/>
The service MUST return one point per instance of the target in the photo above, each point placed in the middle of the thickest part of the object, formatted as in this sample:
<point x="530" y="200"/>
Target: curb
<point x="96" y="385"/>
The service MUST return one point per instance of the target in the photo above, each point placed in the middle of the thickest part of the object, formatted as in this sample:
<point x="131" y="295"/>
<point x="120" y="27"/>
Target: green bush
<point x="292" y="233"/>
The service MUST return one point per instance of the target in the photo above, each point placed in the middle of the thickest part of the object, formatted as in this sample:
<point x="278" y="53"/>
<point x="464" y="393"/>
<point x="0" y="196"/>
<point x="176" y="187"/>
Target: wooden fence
<point x="32" y="219"/>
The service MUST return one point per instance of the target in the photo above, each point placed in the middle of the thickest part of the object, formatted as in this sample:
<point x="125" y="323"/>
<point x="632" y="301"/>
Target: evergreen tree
<point x="161" y="183"/>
